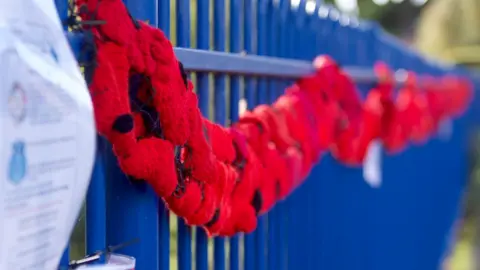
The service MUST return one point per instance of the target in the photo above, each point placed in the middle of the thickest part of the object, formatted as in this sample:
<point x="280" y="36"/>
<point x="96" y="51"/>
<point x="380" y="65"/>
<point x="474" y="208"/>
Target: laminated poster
<point x="47" y="136"/>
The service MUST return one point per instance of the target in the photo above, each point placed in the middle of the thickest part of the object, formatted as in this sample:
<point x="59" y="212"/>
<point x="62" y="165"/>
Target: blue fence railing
<point x="335" y="220"/>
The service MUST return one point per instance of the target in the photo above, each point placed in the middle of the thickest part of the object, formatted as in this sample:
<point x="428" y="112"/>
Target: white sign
<point x="47" y="136"/>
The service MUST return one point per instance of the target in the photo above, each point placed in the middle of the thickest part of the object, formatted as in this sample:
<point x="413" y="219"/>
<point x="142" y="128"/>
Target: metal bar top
<point x="253" y="65"/>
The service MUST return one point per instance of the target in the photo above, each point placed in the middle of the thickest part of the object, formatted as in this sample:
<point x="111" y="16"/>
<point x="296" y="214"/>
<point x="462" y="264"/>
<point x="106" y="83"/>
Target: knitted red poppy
<point x="301" y="124"/>
<point x="378" y="112"/>
<point x="414" y="112"/>
<point x="345" y="147"/>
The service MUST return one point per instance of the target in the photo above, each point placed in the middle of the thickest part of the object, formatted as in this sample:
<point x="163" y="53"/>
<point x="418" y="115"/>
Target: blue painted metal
<point x="249" y="95"/>
<point x="163" y="214"/>
<point x="236" y="13"/>
<point x="219" y="39"/>
<point x="62" y="9"/>
<point x="273" y="35"/>
<point x="262" y="98"/>
<point x="65" y="258"/>
<point x="96" y="209"/>
<point x="131" y="208"/>
<point x="164" y="17"/>
<point x="184" y="233"/>
<point x="203" y="40"/>
<point x="253" y="65"/>
<point x="335" y="220"/>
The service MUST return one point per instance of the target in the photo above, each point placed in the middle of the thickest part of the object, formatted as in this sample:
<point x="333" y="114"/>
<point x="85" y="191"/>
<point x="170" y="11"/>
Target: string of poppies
<point x="223" y="178"/>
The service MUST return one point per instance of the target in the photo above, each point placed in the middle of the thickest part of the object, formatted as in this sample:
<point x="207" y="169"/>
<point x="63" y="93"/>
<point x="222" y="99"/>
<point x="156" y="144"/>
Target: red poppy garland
<point x="223" y="178"/>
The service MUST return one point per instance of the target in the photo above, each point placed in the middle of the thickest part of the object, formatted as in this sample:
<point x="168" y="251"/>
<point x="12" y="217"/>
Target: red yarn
<point x="300" y="126"/>
<point x="142" y="163"/>
<point x="222" y="144"/>
<point x="226" y="184"/>
<point x="413" y="108"/>
<point x="186" y="202"/>
<point x="208" y="204"/>
<point x="345" y="147"/>
<point x="223" y="179"/>
<point x="170" y="95"/>
<point x="198" y="156"/>
<point x="378" y="113"/>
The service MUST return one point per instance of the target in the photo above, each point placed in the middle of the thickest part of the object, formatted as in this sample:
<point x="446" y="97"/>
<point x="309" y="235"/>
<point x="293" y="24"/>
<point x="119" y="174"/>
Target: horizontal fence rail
<point x="246" y="50"/>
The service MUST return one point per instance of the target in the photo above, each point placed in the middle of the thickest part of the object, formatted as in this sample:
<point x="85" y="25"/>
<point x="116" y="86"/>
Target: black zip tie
<point x="97" y="255"/>
<point x="135" y="22"/>
<point x="76" y="24"/>
<point x="183" y="73"/>
<point x="240" y="160"/>
<point x="179" y="167"/>
<point x="214" y="219"/>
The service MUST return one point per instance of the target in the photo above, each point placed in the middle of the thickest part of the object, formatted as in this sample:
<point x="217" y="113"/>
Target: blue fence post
<point x="293" y="225"/>
<point x="219" y="37"/>
<point x="261" y="91"/>
<point x="248" y="33"/>
<point x="203" y="42"/>
<point x="284" y="37"/>
<point x="273" y="39"/>
<point x="132" y="208"/>
<point x="184" y="231"/>
<point x="96" y="208"/>
<point x="62" y="9"/>
<point x="236" y="13"/>
<point x="163" y="214"/>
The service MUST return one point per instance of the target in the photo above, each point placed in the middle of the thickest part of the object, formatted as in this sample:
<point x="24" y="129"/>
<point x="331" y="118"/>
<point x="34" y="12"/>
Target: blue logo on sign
<point x="18" y="163"/>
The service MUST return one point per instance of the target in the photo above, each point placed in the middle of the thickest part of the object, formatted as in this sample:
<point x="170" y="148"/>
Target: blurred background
<point x="444" y="29"/>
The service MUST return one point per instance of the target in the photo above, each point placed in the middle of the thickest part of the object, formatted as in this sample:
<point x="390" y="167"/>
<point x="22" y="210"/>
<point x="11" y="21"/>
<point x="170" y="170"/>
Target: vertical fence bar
<point x="299" y="210"/>
<point x="65" y="259"/>
<point x="309" y="186"/>
<point x="248" y="32"/>
<point x="317" y="31"/>
<point x="273" y="40"/>
<point x="315" y="189"/>
<point x="219" y="109"/>
<point x="248" y="46"/>
<point x="164" y="16"/>
<point x="203" y="42"/>
<point x="163" y="214"/>
<point x="132" y="207"/>
<point x="96" y="208"/>
<point x="291" y="202"/>
<point x="262" y="98"/>
<point x="184" y="231"/>
<point x="236" y="12"/>
<point x="62" y="9"/>
<point x="282" y="234"/>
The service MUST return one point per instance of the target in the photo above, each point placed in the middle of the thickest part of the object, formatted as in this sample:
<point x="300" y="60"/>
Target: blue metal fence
<point x="335" y="220"/>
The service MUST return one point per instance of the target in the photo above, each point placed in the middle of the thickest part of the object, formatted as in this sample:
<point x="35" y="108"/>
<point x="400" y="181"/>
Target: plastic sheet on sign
<point x="47" y="136"/>
<point x="114" y="262"/>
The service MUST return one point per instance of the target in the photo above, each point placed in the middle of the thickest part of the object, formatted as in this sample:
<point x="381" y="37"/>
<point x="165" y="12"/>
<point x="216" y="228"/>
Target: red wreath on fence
<point x="223" y="178"/>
